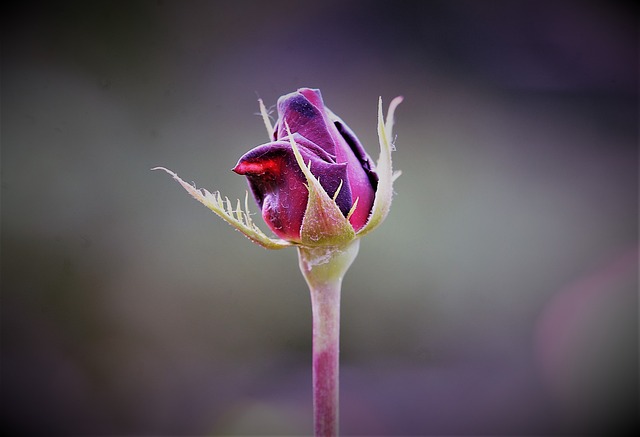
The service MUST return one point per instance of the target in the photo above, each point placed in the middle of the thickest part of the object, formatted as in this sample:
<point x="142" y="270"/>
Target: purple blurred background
<point x="499" y="297"/>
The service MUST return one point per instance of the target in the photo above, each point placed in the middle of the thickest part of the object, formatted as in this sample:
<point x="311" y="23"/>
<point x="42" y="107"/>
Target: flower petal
<point x="305" y="114"/>
<point x="363" y="178"/>
<point x="323" y="224"/>
<point x="306" y="119"/>
<point x="279" y="185"/>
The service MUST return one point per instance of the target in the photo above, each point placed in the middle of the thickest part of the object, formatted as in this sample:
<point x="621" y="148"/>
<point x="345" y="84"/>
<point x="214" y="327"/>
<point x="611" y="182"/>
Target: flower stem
<point x="323" y="269"/>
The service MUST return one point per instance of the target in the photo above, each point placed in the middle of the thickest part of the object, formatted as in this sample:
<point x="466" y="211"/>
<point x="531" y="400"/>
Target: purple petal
<point x="278" y="184"/>
<point x="306" y="119"/>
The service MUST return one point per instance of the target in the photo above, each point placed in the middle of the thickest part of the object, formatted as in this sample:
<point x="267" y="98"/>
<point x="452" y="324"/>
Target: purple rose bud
<point x="338" y="161"/>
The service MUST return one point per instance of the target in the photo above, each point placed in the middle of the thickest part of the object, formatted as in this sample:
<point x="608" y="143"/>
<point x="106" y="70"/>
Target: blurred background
<point x="499" y="297"/>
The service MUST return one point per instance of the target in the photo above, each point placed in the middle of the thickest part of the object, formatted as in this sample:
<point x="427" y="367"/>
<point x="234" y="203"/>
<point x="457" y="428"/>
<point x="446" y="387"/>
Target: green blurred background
<point x="499" y="297"/>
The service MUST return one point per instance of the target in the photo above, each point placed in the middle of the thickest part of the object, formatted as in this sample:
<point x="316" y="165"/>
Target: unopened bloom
<point x="314" y="182"/>
<point x="333" y="154"/>
<point x="318" y="190"/>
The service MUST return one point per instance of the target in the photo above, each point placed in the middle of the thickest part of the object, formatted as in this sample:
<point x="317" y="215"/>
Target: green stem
<point x="323" y="269"/>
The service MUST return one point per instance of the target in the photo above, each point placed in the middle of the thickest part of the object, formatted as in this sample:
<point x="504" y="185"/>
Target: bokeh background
<point x="499" y="297"/>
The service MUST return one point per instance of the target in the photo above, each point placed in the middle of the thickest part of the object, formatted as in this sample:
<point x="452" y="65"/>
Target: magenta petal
<point x="337" y="159"/>
<point x="306" y="119"/>
<point x="279" y="185"/>
<point x="363" y="179"/>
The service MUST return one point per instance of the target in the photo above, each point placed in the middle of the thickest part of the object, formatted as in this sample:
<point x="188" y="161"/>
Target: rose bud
<point x="314" y="182"/>
<point x="331" y="152"/>
<point x="319" y="191"/>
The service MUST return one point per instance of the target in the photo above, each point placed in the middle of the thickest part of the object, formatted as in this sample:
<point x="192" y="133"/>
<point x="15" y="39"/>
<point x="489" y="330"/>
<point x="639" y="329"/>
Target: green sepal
<point x="323" y="223"/>
<point x="384" y="169"/>
<point x="238" y="218"/>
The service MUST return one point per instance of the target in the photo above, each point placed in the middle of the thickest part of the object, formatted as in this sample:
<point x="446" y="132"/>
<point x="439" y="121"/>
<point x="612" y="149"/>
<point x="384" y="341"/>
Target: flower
<point x="318" y="190"/>
<point x="335" y="158"/>
<point x="314" y="182"/>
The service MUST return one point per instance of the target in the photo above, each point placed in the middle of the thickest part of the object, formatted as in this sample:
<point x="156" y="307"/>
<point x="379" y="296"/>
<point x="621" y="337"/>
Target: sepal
<point x="238" y="218"/>
<point x="323" y="223"/>
<point x="384" y="168"/>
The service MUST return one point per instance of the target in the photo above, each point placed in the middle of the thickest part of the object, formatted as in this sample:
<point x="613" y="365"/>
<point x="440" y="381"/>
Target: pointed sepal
<point x="384" y="168"/>
<point x="238" y="218"/>
<point x="323" y="223"/>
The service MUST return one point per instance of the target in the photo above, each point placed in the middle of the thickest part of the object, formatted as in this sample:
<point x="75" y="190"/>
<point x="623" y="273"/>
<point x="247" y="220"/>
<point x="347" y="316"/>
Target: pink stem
<point x="323" y="268"/>
<point x="325" y="303"/>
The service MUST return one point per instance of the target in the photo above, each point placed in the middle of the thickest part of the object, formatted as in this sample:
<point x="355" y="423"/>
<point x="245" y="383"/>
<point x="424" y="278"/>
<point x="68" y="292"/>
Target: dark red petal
<point x="258" y="167"/>
<point x="278" y="184"/>
<point x="363" y="180"/>
<point x="305" y="114"/>
<point x="358" y="150"/>
<point x="336" y="157"/>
